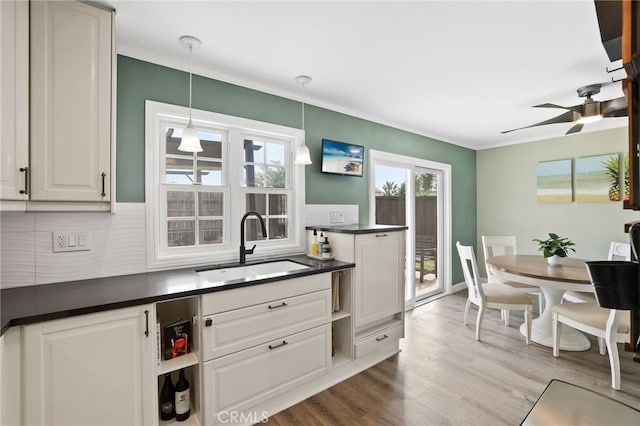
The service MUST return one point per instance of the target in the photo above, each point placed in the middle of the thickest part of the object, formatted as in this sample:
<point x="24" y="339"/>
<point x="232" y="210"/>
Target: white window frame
<point x="235" y="130"/>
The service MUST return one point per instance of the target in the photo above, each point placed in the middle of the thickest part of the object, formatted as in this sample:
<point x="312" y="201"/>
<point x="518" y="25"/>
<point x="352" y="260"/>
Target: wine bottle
<point x="167" y="407"/>
<point x="182" y="400"/>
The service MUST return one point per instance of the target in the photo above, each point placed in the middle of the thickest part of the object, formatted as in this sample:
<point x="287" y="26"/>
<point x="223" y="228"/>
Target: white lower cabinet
<point x="94" y="369"/>
<point x="239" y="381"/>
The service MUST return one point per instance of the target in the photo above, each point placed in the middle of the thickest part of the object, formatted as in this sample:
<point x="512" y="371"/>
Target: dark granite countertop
<point x="32" y="304"/>
<point x="358" y="228"/>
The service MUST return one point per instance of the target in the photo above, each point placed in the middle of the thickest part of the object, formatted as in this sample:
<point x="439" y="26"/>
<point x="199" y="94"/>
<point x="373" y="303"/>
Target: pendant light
<point x="190" y="141"/>
<point x="302" y="152"/>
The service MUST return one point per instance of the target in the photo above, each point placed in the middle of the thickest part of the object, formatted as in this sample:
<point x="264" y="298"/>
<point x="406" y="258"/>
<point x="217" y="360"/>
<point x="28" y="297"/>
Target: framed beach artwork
<point x="342" y="158"/>
<point x="598" y="179"/>
<point x="554" y="181"/>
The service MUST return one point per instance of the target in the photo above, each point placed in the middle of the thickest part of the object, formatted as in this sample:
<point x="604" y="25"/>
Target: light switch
<point x="82" y="240"/>
<point x="71" y="240"/>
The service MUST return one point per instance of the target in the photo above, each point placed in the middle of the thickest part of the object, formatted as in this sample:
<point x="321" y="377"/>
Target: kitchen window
<point x="195" y="201"/>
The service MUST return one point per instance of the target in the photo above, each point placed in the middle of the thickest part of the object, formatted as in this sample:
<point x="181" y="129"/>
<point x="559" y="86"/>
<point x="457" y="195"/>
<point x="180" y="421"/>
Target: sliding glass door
<point x="412" y="192"/>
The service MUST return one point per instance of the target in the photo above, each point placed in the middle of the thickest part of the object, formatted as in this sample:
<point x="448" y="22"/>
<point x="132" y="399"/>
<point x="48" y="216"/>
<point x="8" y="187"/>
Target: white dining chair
<point x="617" y="251"/>
<point x="611" y="325"/>
<point x="490" y="295"/>
<point x="503" y="246"/>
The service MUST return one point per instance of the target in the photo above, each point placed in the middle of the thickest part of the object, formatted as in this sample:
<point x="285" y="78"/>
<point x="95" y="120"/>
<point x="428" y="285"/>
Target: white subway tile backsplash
<point x="17" y="222"/>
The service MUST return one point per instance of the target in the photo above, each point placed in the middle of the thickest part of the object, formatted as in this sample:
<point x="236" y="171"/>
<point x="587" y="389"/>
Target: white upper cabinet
<point x="71" y="62"/>
<point x="14" y="99"/>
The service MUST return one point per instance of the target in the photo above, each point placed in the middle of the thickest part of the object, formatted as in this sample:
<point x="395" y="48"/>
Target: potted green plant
<point x="555" y="247"/>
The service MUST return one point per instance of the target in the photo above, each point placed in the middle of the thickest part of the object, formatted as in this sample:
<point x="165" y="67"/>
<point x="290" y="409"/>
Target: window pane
<point x="275" y="177"/>
<point x="277" y="204"/>
<point x="210" y="204"/>
<point x="179" y="171"/>
<point x="211" y="145"/>
<point x="180" y="204"/>
<point x="253" y="151"/>
<point x="181" y="233"/>
<point x="253" y="230"/>
<point x="210" y="231"/>
<point x="275" y="154"/>
<point x="277" y="228"/>
<point x="209" y="172"/>
<point x="257" y="202"/>
<point x="254" y="176"/>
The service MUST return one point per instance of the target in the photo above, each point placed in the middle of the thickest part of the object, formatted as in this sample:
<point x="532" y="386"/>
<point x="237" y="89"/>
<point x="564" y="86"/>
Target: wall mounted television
<point x="342" y="158"/>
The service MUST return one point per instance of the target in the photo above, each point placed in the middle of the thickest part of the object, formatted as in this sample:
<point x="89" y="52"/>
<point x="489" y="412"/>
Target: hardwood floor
<point x="443" y="376"/>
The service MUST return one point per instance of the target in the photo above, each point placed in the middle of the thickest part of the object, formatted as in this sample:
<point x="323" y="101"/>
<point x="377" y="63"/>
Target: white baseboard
<point x="458" y="287"/>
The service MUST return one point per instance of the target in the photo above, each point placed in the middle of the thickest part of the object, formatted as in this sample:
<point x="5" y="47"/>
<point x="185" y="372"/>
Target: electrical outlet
<point x="71" y="241"/>
<point x="336" y="216"/>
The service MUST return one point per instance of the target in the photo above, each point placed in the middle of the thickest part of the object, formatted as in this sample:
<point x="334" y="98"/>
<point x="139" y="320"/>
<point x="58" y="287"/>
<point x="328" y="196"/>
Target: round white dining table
<point x="534" y="270"/>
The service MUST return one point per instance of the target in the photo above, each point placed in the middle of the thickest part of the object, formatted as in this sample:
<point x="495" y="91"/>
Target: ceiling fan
<point x="588" y="112"/>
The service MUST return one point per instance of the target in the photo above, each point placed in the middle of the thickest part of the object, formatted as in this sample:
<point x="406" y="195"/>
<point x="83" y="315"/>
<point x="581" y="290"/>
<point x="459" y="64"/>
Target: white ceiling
<point x="456" y="71"/>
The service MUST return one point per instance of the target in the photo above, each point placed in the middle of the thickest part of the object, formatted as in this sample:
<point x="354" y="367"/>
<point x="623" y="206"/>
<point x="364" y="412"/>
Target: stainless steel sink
<point x="251" y="272"/>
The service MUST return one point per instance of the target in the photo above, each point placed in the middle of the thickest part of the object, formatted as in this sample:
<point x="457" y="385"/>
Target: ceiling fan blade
<point x="576" y="108"/>
<point x="566" y="117"/>
<point x="614" y="108"/>
<point x="575" y="129"/>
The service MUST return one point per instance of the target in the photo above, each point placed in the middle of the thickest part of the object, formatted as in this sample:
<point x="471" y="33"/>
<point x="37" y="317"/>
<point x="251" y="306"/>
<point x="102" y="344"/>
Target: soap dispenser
<point x="326" y="249"/>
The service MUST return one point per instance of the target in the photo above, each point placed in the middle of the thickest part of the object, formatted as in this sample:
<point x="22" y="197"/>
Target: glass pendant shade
<point x="190" y="141"/>
<point x="302" y="155"/>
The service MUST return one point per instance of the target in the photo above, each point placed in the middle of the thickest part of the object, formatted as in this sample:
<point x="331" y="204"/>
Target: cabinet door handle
<point x="146" y="322"/>
<point x="284" y="343"/>
<point x="208" y="322"/>
<point x="104" y="176"/>
<point x="277" y="306"/>
<point x="380" y="339"/>
<point x="25" y="170"/>
<point x="381" y="235"/>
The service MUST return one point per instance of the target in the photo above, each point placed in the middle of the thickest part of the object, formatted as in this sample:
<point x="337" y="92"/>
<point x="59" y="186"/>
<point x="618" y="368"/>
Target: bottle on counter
<point x="314" y="243"/>
<point x="326" y="249"/>
<point x="320" y="245"/>
<point x="167" y="395"/>
<point x="182" y="399"/>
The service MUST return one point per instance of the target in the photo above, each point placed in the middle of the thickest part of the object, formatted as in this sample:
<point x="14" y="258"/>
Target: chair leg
<point x="466" y="312"/>
<point x="602" y="346"/>
<point x="506" y="317"/>
<point x="479" y="321"/>
<point x="556" y="334"/>
<point x="614" y="360"/>
<point x="527" y="321"/>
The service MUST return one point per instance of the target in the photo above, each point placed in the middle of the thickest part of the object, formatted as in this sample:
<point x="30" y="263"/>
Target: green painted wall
<point x="139" y="81"/>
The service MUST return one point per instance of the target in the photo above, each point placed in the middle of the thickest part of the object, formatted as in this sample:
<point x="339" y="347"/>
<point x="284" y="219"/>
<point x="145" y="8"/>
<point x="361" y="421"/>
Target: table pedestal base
<point x="570" y="338"/>
<point x="541" y="331"/>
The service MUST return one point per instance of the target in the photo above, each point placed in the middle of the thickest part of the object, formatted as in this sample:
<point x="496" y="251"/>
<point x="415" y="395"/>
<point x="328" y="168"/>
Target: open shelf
<point x="183" y="361"/>
<point x="339" y="315"/>
<point x="193" y="420"/>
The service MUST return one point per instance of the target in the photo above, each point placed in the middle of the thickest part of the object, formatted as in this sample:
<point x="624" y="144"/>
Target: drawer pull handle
<point x="380" y="339"/>
<point x="277" y="306"/>
<point x="25" y="170"/>
<point x="381" y="235"/>
<point x="284" y="343"/>
<point x="208" y="322"/>
<point x="103" y="193"/>
<point x="146" y="323"/>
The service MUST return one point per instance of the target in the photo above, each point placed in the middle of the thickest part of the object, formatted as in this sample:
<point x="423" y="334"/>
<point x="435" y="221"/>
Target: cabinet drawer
<point x="227" y="300"/>
<point x="383" y="340"/>
<point x="231" y="331"/>
<point x="244" y="379"/>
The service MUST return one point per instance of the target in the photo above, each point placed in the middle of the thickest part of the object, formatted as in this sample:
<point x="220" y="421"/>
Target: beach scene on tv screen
<point x="342" y="158"/>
